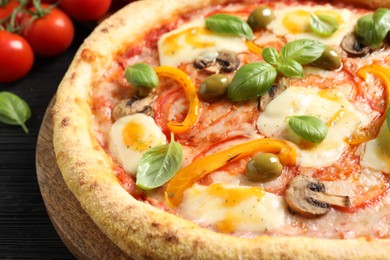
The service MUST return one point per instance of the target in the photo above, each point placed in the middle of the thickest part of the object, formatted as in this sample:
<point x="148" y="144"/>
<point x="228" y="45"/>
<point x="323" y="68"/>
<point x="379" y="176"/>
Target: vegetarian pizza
<point x="233" y="129"/>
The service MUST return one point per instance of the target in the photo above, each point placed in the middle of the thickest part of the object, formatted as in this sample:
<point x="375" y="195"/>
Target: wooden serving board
<point x="79" y="233"/>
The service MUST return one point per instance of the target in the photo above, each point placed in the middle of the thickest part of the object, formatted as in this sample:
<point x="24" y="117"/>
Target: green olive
<point x="263" y="167"/>
<point x="143" y="91"/>
<point x="260" y="17"/>
<point x="213" y="87"/>
<point x="329" y="60"/>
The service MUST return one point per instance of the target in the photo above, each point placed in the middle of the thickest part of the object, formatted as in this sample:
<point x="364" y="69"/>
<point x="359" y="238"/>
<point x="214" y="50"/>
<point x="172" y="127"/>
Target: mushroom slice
<point x="308" y="197"/>
<point x="206" y="59"/>
<point x="351" y="45"/>
<point x="132" y="106"/>
<point x="273" y="92"/>
<point x="215" y="62"/>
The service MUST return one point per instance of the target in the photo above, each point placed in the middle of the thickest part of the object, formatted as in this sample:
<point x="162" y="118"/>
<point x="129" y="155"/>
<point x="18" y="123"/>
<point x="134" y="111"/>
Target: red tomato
<point x="50" y="34"/>
<point x="7" y="9"/>
<point x="17" y="57"/>
<point x="86" y="10"/>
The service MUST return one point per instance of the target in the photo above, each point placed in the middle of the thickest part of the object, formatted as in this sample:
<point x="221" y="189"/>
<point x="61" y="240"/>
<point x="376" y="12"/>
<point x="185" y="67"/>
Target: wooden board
<point x="79" y="233"/>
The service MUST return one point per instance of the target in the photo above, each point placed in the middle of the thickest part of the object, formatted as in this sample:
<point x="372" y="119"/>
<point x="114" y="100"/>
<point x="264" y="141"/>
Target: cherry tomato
<point x="86" y="10"/>
<point x="50" y="34"/>
<point x="17" y="57"/>
<point x="6" y="10"/>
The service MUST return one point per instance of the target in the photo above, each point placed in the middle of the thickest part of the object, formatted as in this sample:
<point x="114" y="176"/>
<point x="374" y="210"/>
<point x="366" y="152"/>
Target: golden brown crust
<point x="139" y="229"/>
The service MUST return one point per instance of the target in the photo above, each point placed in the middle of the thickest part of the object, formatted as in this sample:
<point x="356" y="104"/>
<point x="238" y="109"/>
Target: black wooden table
<point x="26" y="231"/>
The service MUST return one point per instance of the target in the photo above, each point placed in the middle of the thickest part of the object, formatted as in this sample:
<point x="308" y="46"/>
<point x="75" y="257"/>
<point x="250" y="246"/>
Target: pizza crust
<point x="139" y="229"/>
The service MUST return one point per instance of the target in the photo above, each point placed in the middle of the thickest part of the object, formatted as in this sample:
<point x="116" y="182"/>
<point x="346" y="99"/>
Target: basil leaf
<point x="251" y="80"/>
<point x="381" y="19"/>
<point x="388" y="117"/>
<point x="229" y="24"/>
<point x="323" y="25"/>
<point x="373" y="28"/>
<point x="14" y="110"/>
<point x="290" y="68"/>
<point x="141" y="75"/>
<point x="303" y="51"/>
<point x="270" y="55"/>
<point x="309" y="128"/>
<point x="158" y="165"/>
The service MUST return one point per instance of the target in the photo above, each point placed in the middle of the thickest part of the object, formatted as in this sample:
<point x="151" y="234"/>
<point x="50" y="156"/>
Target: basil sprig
<point x="141" y="75"/>
<point x="293" y="55"/>
<point x="251" y="80"/>
<point x="372" y="29"/>
<point x="229" y="24"/>
<point x="309" y="128"/>
<point x="323" y="25"/>
<point x="159" y="164"/>
<point x="255" y="79"/>
<point x="14" y="110"/>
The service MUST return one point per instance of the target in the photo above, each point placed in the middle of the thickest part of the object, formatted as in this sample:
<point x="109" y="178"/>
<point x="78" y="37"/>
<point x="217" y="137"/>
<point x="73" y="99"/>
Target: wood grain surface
<point x="79" y="233"/>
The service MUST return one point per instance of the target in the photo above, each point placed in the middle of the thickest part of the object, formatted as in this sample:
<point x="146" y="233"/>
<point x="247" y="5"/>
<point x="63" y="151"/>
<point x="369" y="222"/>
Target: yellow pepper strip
<point x="194" y="105"/>
<point x="189" y="175"/>
<point x="384" y="75"/>
<point x="253" y="47"/>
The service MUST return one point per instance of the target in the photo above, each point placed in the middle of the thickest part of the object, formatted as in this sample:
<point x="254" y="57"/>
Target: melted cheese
<point x="331" y="107"/>
<point x="232" y="208"/>
<point x="130" y="137"/>
<point x="184" y="44"/>
<point x="294" y="23"/>
<point x="377" y="152"/>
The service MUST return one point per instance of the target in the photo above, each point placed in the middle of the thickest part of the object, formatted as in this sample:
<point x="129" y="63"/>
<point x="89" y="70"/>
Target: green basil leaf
<point x="372" y="29"/>
<point x="141" y="75"/>
<point x="270" y="55"/>
<point x="229" y="24"/>
<point x="323" y="25"/>
<point x="290" y="68"/>
<point x="14" y="110"/>
<point x="251" y="80"/>
<point x="309" y="128"/>
<point x="303" y="51"/>
<point x="388" y="117"/>
<point x="381" y="19"/>
<point x="158" y="165"/>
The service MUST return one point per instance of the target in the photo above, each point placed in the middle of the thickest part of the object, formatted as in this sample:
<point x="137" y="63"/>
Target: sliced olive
<point x="213" y="87"/>
<point x="263" y="167"/>
<point x="329" y="60"/>
<point x="260" y="17"/>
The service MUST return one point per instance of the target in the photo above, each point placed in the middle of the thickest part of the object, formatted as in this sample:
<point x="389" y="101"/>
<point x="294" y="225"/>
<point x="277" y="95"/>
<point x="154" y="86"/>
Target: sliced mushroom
<point x="308" y="197"/>
<point x="273" y="92"/>
<point x="215" y="62"/>
<point x="133" y="106"/>
<point x="353" y="47"/>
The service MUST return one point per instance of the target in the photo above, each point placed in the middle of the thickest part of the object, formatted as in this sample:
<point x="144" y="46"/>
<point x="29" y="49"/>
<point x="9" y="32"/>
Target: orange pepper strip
<point x="384" y="75"/>
<point x="253" y="47"/>
<point x="189" y="175"/>
<point x="194" y="105"/>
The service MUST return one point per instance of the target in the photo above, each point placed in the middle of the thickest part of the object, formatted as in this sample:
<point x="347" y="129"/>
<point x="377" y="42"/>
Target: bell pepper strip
<point x="384" y="75"/>
<point x="194" y="105"/>
<point x="194" y="172"/>
<point x="253" y="47"/>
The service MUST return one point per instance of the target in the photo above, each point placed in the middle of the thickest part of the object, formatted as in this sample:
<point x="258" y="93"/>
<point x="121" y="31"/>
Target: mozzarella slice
<point x="184" y="44"/>
<point x="330" y="106"/>
<point x="293" y="22"/>
<point x="232" y="208"/>
<point x="130" y="137"/>
<point x="377" y="152"/>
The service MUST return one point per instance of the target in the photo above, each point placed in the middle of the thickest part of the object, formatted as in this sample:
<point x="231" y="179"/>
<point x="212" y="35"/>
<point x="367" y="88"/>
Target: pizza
<point x="233" y="129"/>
